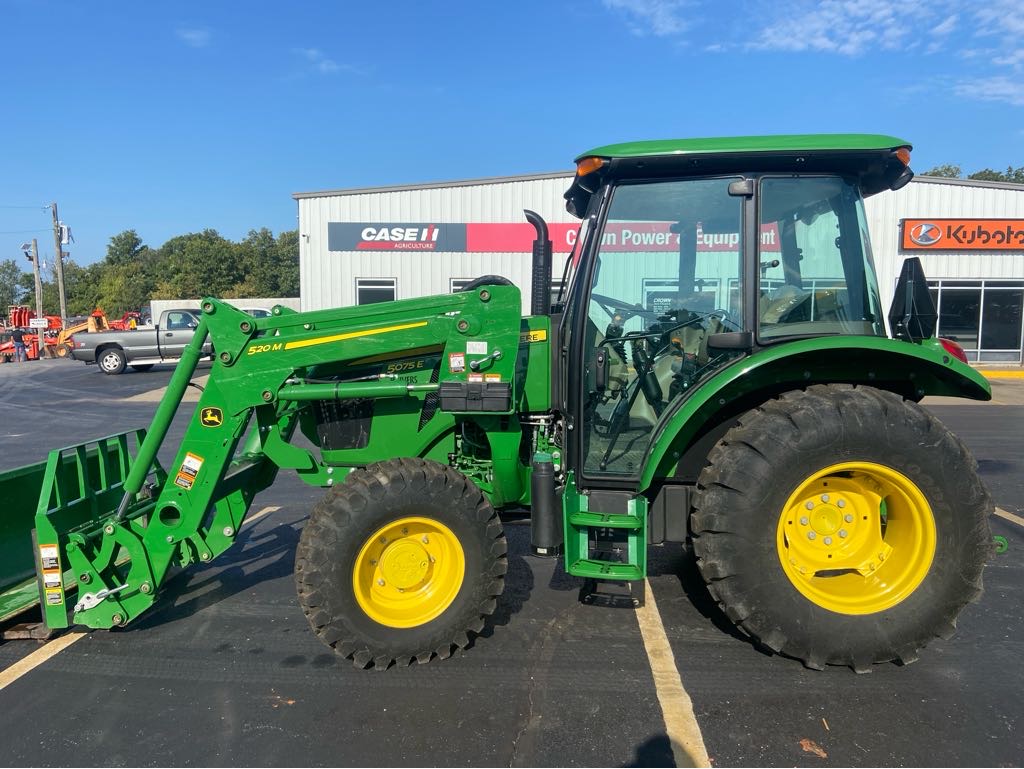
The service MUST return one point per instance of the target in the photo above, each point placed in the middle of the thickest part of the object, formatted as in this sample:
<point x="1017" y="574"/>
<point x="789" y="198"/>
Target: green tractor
<point x="717" y="370"/>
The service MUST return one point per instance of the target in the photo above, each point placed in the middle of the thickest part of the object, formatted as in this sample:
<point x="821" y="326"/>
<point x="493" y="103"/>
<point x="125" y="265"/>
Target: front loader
<point x="718" y="371"/>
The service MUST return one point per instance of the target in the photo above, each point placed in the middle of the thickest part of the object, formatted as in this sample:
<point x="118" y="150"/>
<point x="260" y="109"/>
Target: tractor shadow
<point x="256" y="557"/>
<point x="679" y="561"/>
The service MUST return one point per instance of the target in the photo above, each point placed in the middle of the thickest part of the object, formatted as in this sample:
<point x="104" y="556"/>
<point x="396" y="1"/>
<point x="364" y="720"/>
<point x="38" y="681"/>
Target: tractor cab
<point x="697" y="253"/>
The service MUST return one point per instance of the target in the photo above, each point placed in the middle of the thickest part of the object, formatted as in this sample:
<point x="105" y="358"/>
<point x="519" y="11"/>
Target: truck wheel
<point x="112" y="360"/>
<point x="401" y="561"/>
<point x="842" y="525"/>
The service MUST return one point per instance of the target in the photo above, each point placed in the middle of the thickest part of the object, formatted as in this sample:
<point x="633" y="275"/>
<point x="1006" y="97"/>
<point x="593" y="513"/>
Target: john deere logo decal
<point x="926" y="233"/>
<point x="211" y="417"/>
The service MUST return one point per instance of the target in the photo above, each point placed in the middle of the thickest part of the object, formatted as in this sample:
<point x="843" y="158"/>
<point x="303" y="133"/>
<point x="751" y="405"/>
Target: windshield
<point x="817" y="275"/>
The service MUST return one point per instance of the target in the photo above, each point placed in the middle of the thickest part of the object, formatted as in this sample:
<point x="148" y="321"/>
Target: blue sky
<point x="170" y="118"/>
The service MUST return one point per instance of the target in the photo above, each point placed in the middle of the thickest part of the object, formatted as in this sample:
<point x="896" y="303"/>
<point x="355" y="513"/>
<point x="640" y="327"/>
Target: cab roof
<point x="878" y="162"/>
<point x="732" y="145"/>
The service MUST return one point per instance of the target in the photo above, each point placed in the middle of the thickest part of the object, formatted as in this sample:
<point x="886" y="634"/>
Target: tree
<point x="11" y="290"/>
<point x="1014" y="175"/>
<point x="947" y="171"/>
<point x="124" y="248"/>
<point x="270" y="267"/>
<point x="198" y="264"/>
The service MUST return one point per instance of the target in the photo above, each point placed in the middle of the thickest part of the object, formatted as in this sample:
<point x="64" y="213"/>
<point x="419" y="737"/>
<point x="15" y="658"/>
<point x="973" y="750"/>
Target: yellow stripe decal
<point x="350" y="335"/>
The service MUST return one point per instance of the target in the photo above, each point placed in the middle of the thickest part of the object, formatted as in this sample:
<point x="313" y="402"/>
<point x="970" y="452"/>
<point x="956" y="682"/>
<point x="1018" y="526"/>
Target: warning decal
<point x="190" y="468"/>
<point x="53" y="583"/>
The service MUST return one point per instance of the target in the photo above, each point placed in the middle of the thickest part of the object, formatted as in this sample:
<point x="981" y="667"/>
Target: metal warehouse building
<point x="359" y="246"/>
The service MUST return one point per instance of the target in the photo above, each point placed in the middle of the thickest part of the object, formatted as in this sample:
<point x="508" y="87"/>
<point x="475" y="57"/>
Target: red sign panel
<point x="962" y="235"/>
<point x="492" y="237"/>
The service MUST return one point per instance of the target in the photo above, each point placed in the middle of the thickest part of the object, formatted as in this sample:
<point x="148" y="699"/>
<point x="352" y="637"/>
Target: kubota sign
<point x="962" y="234"/>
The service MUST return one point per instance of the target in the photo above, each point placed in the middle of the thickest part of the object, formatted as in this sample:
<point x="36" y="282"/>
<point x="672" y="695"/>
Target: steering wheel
<point x="607" y="302"/>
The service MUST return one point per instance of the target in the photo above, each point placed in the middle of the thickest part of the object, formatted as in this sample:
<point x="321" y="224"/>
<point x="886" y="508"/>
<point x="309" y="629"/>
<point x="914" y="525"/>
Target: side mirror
<point x="912" y="316"/>
<point x="731" y="341"/>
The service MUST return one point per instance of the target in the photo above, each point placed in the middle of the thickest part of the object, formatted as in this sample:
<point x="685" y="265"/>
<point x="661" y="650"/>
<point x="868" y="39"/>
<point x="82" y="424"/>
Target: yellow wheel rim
<point x="856" y="537"/>
<point x="408" y="572"/>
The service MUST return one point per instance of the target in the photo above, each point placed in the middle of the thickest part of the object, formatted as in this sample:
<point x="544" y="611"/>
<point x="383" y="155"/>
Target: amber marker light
<point x="589" y="165"/>
<point x="903" y="153"/>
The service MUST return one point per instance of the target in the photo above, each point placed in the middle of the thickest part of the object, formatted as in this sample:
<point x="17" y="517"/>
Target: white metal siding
<point x="923" y="200"/>
<point x="328" y="278"/>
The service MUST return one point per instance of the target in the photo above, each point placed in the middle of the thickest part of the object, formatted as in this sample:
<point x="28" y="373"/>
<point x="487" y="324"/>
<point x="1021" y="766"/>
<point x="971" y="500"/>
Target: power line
<point x="22" y="232"/>
<point x="41" y="208"/>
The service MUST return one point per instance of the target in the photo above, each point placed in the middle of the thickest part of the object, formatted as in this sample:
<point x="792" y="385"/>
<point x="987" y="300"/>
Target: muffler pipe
<point x="540" y="288"/>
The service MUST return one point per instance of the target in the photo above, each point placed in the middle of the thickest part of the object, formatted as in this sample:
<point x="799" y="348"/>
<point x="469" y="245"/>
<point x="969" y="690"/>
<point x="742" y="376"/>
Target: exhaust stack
<point x="540" y="288"/>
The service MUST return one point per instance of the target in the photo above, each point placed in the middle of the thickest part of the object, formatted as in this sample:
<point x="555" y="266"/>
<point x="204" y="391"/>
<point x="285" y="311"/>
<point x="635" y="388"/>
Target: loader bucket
<point x="74" y="489"/>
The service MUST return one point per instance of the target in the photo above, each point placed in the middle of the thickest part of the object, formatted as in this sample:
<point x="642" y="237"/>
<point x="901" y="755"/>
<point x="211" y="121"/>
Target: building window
<point x="457" y="284"/>
<point x="986" y="317"/>
<point x="373" y="290"/>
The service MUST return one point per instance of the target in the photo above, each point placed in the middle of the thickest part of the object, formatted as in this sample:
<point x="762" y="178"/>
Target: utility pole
<point x="39" y="296"/>
<point x="58" y="250"/>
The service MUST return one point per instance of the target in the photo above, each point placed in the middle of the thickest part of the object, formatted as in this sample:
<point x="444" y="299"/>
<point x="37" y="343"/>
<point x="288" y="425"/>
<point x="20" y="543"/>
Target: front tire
<point x="842" y="525"/>
<point x="401" y="561"/>
<point x="112" y="360"/>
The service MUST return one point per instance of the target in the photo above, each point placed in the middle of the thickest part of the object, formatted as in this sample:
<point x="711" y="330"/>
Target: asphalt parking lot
<point x="227" y="672"/>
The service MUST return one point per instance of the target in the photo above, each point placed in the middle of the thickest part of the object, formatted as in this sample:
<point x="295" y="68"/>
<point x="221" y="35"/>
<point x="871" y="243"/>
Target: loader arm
<point x="269" y="376"/>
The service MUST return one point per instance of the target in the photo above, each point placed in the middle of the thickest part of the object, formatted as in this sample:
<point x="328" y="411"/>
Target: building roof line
<point x="920" y="179"/>
<point x="568" y="174"/>
<point x="968" y="182"/>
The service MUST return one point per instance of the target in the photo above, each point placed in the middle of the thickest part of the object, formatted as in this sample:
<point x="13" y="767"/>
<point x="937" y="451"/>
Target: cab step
<point x="604" y="546"/>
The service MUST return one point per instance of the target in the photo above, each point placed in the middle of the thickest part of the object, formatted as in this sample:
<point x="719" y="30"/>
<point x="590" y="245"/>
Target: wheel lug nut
<point x="824" y="497"/>
<point x="842" y="533"/>
<point x="383" y="540"/>
<point x="380" y="582"/>
<point x="841" y="503"/>
<point x="804" y="520"/>
<point x="425" y="540"/>
<point x="827" y="540"/>
<point x="811" y="535"/>
<point x="405" y="531"/>
<point x="810" y="505"/>
<point x="373" y="562"/>
<point x="848" y="518"/>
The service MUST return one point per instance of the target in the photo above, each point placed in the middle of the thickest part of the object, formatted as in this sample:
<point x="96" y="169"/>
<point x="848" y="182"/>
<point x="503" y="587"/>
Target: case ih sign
<point x="495" y="237"/>
<point x="962" y="235"/>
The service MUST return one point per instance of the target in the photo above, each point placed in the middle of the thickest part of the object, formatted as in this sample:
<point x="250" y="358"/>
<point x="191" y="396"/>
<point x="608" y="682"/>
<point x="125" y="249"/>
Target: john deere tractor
<point x="718" y="371"/>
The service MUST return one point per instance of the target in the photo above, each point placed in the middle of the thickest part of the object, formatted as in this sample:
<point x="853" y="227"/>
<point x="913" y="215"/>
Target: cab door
<point x="666" y="274"/>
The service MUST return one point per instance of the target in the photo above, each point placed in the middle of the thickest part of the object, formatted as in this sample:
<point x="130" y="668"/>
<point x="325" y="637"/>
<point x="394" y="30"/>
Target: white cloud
<point x="662" y="18"/>
<point x="320" y="63"/>
<point x="845" y="27"/>
<point x="997" y="88"/>
<point x="947" y="25"/>
<point x="196" y="37"/>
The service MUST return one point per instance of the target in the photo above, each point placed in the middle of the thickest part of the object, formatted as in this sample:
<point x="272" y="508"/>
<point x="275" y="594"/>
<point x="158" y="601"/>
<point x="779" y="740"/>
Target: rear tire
<point x="842" y="525"/>
<point x="403" y="560"/>
<point x="112" y="360"/>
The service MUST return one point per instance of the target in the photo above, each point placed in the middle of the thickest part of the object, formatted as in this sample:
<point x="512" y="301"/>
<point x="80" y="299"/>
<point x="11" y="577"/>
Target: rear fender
<point x="910" y="370"/>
